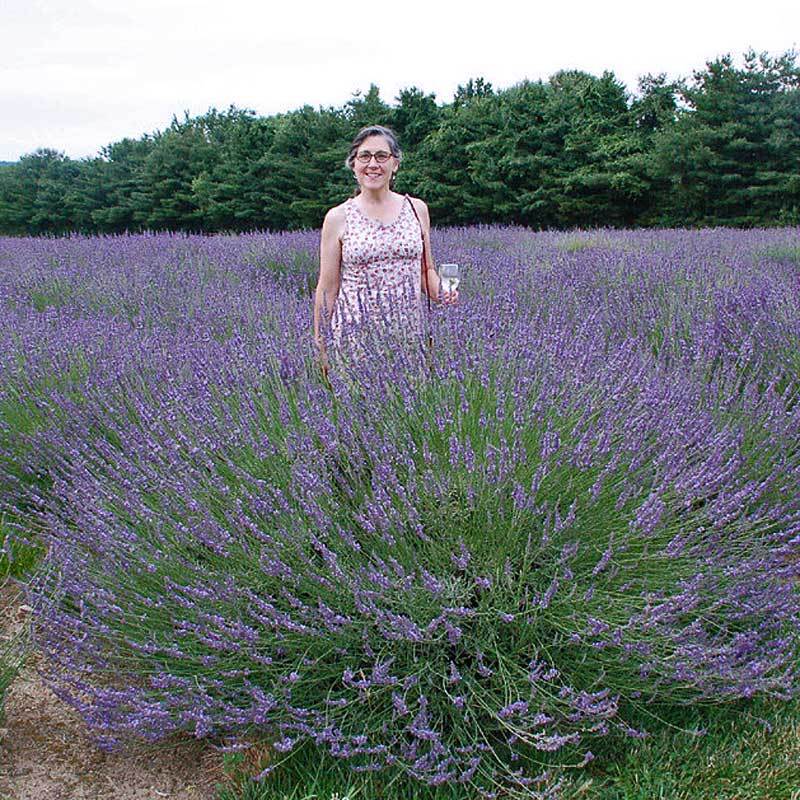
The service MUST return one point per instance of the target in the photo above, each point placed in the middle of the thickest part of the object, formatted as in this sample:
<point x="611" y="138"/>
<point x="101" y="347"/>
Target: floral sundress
<point x="380" y="288"/>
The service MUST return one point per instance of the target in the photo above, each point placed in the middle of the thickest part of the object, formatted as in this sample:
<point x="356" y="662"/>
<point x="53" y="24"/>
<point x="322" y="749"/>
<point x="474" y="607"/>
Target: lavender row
<point x="588" y="505"/>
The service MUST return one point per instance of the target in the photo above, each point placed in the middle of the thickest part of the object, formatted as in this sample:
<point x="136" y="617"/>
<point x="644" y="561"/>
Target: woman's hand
<point x="322" y="360"/>
<point x="450" y="298"/>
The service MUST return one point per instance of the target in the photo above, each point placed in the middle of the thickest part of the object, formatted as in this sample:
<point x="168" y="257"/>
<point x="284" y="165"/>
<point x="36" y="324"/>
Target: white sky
<point x="79" y="74"/>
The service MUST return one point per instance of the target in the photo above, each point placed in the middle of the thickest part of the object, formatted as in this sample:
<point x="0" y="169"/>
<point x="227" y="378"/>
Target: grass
<point x="23" y="557"/>
<point x="11" y="658"/>
<point x="586" y="240"/>
<point x="13" y="644"/>
<point x="749" y="751"/>
<point x="790" y="253"/>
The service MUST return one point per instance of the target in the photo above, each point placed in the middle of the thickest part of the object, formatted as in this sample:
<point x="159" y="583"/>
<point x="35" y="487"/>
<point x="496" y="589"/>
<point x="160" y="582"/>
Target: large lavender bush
<point x="587" y="506"/>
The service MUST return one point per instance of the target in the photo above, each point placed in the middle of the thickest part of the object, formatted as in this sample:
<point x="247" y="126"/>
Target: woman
<point x="370" y="266"/>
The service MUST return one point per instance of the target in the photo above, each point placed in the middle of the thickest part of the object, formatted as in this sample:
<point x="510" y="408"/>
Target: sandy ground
<point x="46" y="755"/>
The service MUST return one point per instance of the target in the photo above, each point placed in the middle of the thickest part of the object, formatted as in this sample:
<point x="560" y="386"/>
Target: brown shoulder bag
<point x="427" y="290"/>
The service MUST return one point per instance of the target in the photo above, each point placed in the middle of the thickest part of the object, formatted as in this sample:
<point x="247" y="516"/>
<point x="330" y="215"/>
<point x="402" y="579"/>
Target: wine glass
<point x="450" y="277"/>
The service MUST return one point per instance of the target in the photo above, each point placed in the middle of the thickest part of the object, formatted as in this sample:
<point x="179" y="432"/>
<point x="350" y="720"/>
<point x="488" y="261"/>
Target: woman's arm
<point x="433" y="276"/>
<point x="330" y="262"/>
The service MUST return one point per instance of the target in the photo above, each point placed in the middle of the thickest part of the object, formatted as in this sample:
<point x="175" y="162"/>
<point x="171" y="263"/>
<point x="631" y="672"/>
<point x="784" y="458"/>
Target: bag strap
<point x="424" y="257"/>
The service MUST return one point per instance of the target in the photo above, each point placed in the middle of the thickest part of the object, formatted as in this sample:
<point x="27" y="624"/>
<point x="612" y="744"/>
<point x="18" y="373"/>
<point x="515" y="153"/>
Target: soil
<point x="45" y="753"/>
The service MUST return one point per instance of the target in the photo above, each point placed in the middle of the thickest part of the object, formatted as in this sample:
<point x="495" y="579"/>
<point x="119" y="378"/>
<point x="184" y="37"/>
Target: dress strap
<point x="348" y="211"/>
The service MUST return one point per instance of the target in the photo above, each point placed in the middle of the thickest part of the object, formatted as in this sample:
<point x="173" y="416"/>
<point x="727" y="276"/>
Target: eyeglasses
<point x="381" y="156"/>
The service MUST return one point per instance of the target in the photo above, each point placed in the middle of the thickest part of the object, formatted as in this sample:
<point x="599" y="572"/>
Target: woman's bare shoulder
<point x="421" y="206"/>
<point x="335" y="219"/>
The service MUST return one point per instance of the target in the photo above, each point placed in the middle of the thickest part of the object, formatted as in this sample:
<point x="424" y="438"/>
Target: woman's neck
<point x="376" y="197"/>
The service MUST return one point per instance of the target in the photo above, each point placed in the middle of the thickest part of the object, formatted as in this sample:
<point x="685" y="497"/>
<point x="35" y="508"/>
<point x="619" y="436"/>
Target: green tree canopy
<point x="719" y="148"/>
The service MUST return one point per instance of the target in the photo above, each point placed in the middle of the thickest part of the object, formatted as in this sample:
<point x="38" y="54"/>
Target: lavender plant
<point x="589" y="505"/>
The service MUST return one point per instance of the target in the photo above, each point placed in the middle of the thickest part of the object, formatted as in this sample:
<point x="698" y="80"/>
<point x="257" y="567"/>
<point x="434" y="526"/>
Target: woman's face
<point x="373" y="175"/>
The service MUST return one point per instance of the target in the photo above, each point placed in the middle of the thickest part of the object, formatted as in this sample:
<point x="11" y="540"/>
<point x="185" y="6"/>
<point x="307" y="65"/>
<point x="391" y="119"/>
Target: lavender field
<point x="465" y="576"/>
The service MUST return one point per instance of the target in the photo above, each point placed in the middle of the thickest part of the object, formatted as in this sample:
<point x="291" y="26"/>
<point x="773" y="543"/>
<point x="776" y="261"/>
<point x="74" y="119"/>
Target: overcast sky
<point x="79" y="74"/>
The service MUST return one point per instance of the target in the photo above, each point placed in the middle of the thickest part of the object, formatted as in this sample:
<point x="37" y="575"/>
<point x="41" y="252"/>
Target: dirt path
<point x="45" y="754"/>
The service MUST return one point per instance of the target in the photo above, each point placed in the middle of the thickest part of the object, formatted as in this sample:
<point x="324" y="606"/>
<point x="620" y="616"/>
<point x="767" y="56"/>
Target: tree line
<point x="576" y="150"/>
